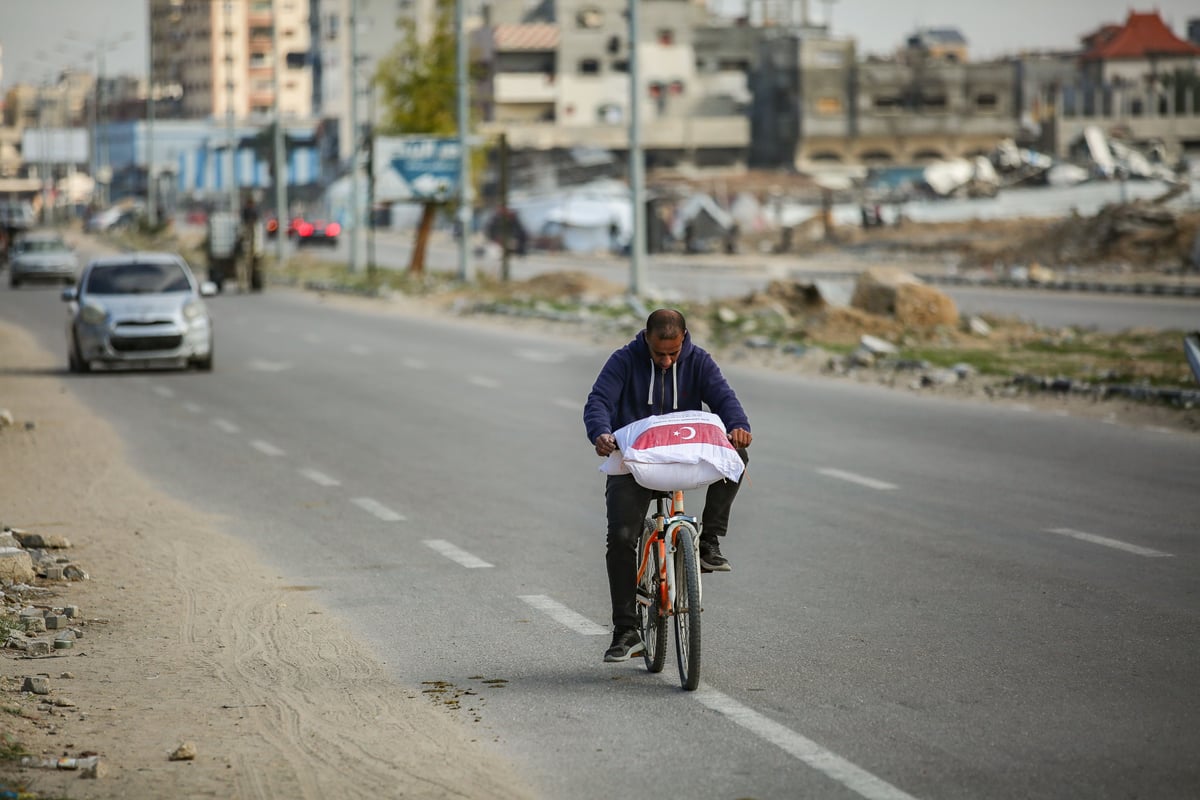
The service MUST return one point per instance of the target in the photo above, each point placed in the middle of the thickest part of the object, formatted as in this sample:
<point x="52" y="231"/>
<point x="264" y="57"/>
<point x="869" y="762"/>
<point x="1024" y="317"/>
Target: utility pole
<point x="464" y="153"/>
<point x="233" y="187"/>
<point x="354" y="137"/>
<point x="280" y="151"/>
<point x="637" y="177"/>
<point x="151" y="209"/>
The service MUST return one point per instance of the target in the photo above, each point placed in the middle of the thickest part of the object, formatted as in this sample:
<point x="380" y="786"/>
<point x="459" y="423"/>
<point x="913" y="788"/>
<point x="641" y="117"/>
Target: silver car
<point x="139" y="308"/>
<point x="41" y="256"/>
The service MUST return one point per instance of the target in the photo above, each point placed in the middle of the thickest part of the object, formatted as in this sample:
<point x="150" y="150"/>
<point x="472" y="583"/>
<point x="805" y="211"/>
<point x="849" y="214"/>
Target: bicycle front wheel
<point x="687" y="608"/>
<point x="651" y="618"/>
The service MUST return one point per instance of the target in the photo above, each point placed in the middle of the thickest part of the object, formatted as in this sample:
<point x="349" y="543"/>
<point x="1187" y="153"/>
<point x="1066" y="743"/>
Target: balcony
<point x="663" y="133"/>
<point x="517" y="87"/>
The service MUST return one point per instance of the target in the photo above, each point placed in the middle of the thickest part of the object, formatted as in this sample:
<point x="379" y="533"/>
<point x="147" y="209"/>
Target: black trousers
<point x="627" y="504"/>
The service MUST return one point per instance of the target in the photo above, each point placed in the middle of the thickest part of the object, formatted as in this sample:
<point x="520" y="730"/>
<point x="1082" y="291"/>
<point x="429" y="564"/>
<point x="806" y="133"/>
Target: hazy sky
<point x="41" y="37"/>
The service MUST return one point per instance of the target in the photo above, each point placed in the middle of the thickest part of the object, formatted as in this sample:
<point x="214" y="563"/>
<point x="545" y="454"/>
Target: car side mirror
<point x="208" y="289"/>
<point x="69" y="294"/>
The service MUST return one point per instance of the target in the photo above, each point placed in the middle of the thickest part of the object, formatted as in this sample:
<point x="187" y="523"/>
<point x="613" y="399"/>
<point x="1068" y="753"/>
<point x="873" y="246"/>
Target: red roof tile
<point x="1142" y="36"/>
<point x="531" y="36"/>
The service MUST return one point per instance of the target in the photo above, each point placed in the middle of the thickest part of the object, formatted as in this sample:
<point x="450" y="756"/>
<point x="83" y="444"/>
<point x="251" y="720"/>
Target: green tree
<point x="418" y="81"/>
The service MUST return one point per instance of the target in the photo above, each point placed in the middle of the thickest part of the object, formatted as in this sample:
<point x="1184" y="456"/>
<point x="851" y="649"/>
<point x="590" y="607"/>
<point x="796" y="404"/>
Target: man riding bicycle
<point x="659" y="372"/>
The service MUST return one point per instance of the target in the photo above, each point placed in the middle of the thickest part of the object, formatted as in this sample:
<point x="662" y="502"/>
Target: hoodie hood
<point x="661" y="378"/>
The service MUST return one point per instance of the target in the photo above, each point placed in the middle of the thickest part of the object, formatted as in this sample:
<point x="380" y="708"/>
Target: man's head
<point x="664" y="336"/>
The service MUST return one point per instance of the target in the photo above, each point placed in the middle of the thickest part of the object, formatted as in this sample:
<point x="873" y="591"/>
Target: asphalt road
<point x="929" y="599"/>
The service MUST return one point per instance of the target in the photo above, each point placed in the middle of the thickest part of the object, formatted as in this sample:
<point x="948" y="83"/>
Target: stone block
<point x="36" y="684"/>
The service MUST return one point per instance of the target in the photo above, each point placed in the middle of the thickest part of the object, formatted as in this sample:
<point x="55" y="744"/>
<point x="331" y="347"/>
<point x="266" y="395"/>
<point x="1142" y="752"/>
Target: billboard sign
<point x="416" y="168"/>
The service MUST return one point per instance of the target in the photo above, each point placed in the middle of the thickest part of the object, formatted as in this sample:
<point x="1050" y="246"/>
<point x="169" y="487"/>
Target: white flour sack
<point x="684" y="450"/>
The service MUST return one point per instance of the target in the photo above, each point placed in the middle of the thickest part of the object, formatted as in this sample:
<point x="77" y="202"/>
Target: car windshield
<point x="42" y="246"/>
<point x="138" y="278"/>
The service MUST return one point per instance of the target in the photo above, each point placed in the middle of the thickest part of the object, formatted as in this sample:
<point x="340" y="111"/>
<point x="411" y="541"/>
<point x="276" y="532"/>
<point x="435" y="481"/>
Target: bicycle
<point x="668" y="587"/>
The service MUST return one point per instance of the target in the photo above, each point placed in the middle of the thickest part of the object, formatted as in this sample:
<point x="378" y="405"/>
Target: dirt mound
<point x="891" y="292"/>
<point x="1143" y="234"/>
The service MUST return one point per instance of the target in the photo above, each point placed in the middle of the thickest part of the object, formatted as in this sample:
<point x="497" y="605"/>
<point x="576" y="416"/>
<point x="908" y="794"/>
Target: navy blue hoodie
<point x="631" y="387"/>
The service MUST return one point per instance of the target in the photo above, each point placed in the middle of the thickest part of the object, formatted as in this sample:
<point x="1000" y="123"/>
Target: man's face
<point x="664" y="352"/>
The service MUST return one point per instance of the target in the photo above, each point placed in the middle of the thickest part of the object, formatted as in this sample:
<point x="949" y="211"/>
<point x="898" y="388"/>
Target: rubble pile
<point x="1143" y="235"/>
<point x="35" y="629"/>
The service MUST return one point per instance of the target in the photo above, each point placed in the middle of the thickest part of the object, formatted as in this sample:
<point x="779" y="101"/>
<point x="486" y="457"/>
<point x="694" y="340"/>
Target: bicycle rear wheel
<point x="651" y="620"/>
<point x="687" y="608"/>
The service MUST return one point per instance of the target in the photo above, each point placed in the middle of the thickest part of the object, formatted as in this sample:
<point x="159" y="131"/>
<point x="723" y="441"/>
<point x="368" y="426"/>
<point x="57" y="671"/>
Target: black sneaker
<point x="711" y="559"/>
<point x="626" y="642"/>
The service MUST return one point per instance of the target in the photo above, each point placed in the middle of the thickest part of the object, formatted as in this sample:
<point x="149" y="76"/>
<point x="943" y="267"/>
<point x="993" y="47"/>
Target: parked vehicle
<point x="221" y="247"/>
<point x="139" y="308"/>
<point x="316" y="232"/>
<point x="41" y="256"/>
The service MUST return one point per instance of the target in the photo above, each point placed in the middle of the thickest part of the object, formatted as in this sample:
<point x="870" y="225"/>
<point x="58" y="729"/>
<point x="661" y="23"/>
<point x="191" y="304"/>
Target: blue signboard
<point x="428" y="165"/>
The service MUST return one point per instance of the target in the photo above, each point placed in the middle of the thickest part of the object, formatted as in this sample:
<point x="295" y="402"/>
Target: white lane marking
<point x="320" y="478"/>
<point x="193" y="408"/>
<point x="456" y="554"/>
<point x="852" y="776"/>
<point x="1107" y="542"/>
<point x="359" y="350"/>
<point x="266" y="448"/>
<point x="163" y="391"/>
<point x="859" y="479"/>
<point x="564" y="615"/>
<point x="262" y="365"/>
<point x="378" y="509"/>
<point x="487" y="383"/>
<point x="563" y="402"/>
<point x="541" y="356"/>
<point x="226" y="425"/>
<point x="413" y="363"/>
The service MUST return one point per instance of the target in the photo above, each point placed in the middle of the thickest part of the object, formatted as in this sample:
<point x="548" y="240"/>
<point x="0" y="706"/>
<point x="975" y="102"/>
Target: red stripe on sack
<point x="665" y="435"/>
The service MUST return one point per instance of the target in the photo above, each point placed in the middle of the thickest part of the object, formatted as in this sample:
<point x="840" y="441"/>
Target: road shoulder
<point x="188" y="638"/>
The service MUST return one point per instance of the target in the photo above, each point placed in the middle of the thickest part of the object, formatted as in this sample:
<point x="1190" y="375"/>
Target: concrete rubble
<point x="34" y="628"/>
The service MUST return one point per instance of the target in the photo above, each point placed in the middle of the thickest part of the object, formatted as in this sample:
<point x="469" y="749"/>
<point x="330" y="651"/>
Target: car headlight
<point x="193" y="310"/>
<point x="92" y="313"/>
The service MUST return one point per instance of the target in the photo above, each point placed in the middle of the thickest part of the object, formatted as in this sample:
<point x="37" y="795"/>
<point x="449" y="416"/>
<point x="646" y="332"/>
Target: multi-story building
<point x="556" y="77"/>
<point x="1136" y="80"/>
<point x="213" y="58"/>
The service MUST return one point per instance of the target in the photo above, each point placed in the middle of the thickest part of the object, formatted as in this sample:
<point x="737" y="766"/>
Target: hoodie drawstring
<point x="674" y="386"/>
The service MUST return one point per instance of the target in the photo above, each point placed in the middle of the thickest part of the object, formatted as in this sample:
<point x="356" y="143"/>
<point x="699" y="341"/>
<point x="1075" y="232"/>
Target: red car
<point x="316" y="231"/>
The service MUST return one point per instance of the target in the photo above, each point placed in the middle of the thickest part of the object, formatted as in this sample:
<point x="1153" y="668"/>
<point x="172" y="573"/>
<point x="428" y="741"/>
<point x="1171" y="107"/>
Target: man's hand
<point x="740" y="438"/>
<point x="605" y="444"/>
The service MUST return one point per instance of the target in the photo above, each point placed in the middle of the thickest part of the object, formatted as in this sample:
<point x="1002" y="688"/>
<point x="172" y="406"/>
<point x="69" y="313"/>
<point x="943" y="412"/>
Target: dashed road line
<point x="1107" y="542"/>
<point x="262" y="365"/>
<point x="266" y="448"/>
<point x="320" y="478"/>
<point x="541" y="356"/>
<point x="359" y="350"/>
<point x="456" y="554"/>
<point x="486" y="383"/>
<point x="862" y="480"/>
<point x="163" y="391"/>
<point x="823" y="760"/>
<point x="378" y="509"/>
<point x="193" y="408"/>
<point x="563" y="402"/>
<point x="413" y="363"/>
<point x="226" y="425"/>
<point x="563" y="615"/>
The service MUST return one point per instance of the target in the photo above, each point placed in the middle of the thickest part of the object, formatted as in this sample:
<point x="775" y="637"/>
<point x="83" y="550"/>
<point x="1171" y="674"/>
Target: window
<point x="589" y="18"/>
<point x="589" y="66"/>
<point x="829" y="105"/>
<point x="987" y="102"/>
<point x="666" y="36"/>
<point x="934" y="102"/>
<point x="887" y="103"/>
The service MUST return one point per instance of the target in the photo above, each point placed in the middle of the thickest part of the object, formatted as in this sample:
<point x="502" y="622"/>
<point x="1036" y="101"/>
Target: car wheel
<point x="74" y="362"/>
<point x="204" y="364"/>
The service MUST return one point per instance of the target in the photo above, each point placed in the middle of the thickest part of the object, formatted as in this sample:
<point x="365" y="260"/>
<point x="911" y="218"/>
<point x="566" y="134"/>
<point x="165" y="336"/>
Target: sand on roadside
<point x="188" y="638"/>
